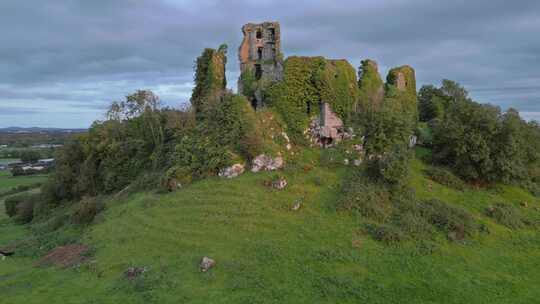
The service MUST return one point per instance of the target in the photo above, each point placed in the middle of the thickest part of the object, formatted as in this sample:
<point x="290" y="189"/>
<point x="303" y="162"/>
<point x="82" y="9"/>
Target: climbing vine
<point x="307" y="82"/>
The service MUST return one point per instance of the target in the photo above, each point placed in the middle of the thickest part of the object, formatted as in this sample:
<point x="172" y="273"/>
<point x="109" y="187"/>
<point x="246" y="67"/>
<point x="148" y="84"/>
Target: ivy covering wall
<point x="210" y="81"/>
<point x="405" y="95"/>
<point x="371" y="86"/>
<point x="307" y="82"/>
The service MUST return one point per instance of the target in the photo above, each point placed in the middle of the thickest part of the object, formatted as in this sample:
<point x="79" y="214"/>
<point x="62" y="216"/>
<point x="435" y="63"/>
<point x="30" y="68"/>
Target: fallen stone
<point x="279" y="184"/>
<point x="524" y="204"/>
<point x="357" y="162"/>
<point x="264" y="162"/>
<point x="206" y="264"/>
<point x="232" y="171"/>
<point x="297" y="205"/>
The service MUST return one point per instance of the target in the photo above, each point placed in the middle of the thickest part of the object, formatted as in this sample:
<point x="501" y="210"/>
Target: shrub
<point x="12" y="202"/>
<point x="506" y="215"/>
<point x="456" y="222"/>
<point x="386" y="233"/>
<point x="87" y="211"/>
<point x="392" y="167"/>
<point x="369" y="199"/>
<point x="446" y="178"/>
<point x="25" y="212"/>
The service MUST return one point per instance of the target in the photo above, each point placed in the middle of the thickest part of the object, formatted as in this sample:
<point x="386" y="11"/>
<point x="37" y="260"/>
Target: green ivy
<point x="210" y="80"/>
<point x="307" y="82"/>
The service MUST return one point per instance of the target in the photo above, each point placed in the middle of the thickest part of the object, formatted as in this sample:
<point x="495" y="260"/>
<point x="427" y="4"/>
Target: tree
<point x="30" y="156"/>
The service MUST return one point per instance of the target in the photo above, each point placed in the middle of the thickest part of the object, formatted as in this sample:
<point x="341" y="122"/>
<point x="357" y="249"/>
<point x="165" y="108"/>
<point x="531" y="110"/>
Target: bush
<point x="371" y="200"/>
<point x="446" y="178"/>
<point x="25" y="212"/>
<point x="386" y="233"/>
<point x="456" y="222"/>
<point x="506" y="215"/>
<point x="87" y="211"/>
<point x="12" y="202"/>
<point x="393" y="167"/>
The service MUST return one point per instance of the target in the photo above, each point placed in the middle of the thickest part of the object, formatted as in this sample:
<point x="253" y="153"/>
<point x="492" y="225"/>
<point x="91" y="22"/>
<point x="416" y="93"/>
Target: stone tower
<point x="261" y="60"/>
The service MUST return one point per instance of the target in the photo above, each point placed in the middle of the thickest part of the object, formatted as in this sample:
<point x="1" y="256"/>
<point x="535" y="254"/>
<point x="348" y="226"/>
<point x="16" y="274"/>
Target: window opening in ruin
<point x="254" y="103"/>
<point x="259" y="34"/>
<point x="258" y="71"/>
<point x="260" y="53"/>
<point x="272" y="34"/>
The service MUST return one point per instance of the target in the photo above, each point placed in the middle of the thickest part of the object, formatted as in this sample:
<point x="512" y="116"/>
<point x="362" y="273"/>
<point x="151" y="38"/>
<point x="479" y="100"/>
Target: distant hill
<point x="39" y="130"/>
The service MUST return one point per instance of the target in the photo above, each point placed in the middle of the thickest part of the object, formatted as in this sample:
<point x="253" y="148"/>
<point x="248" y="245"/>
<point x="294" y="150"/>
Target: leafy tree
<point x="30" y="156"/>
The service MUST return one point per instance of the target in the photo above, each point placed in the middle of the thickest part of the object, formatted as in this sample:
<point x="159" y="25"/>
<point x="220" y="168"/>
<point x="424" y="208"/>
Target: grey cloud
<point x="83" y="54"/>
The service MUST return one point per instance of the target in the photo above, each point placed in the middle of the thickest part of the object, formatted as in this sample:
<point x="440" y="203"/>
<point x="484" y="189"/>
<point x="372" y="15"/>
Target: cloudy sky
<point x="63" y="61"/>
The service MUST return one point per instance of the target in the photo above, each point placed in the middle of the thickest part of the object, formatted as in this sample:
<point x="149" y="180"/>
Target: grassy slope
<point x="269" y="254"/>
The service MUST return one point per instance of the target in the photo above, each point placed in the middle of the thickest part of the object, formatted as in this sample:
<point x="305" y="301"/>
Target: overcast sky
<point x="63" y="61"/>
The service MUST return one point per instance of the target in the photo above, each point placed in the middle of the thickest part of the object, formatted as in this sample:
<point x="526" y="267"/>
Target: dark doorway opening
<point x="258" y="71"/>
<point x="259" y="53"/>
<point x="272" y="34"/>
<point x="259" y="34"/>
<point x="254" y="103"/>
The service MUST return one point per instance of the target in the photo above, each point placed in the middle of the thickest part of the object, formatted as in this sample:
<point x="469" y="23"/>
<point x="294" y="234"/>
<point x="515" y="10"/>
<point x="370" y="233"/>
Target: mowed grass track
<point x="267" y="253"/>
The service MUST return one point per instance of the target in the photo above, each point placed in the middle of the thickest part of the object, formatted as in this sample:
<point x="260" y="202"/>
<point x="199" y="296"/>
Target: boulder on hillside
<point x="206" y="264"/>
<point x="264" y="162"/>
<point x="232" y="171"/>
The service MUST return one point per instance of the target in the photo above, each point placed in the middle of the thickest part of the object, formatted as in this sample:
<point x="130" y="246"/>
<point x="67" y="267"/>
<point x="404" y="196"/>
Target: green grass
<point x="267" y="253"/>
<point x="7" y="181"/>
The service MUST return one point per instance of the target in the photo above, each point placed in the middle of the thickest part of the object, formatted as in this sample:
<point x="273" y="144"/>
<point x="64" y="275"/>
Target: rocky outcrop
<point x="264" y="162"/>
<point x="232" y="171"/>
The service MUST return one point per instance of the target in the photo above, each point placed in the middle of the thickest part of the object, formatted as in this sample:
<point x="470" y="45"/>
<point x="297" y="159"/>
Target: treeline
<point x="479" y="142"/>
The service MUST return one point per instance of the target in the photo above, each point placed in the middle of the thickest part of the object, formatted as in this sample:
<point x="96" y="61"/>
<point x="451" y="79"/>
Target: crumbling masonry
<point x="261" y="61"/>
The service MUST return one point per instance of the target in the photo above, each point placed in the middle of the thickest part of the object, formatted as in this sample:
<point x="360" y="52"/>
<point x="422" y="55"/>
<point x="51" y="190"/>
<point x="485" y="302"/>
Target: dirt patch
<point x="65" y="256"/>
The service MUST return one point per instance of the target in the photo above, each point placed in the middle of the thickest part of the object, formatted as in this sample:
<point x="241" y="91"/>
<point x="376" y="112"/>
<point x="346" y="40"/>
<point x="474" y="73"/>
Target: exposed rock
<point x="206" y="264"/>
<point x="264" y="162"/>
<point x="280" y="183"/>
<point x="133" y="272"/>
<point x="232" y="171"/>
<point x="524" y="204"/>
<point x="297" y="205"/>
<point x="346" y="161"/>
<point x="357" y="162"/>
<point x="412" y="141"/>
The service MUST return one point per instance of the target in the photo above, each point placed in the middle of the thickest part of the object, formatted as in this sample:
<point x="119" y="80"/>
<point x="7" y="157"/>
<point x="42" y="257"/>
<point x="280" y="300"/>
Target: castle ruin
<point x="261" y="60"/>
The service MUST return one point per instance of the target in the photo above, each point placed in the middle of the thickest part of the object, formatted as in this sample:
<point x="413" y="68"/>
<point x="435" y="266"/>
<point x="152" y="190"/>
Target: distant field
<point x="7" y="161"/>
<point x="7" y="181"/>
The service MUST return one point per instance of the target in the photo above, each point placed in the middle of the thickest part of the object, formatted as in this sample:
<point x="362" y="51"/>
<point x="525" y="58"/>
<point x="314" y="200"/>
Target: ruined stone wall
<point x="261" y="60"/>
<point x="210" y="79"/>
<point x="371" y="87"/>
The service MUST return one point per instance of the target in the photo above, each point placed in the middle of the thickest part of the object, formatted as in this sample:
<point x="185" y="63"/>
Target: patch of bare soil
<point x="65" y="256"/>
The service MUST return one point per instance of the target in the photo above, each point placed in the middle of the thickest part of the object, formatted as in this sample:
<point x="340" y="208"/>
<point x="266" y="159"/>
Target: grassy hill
<point x="268" y="253"/>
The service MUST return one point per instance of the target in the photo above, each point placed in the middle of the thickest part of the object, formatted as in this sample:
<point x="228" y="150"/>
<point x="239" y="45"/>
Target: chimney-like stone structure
<point x="261" y="60"/>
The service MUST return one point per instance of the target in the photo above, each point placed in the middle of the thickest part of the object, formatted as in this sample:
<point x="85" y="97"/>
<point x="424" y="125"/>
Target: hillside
<point x="268" y="253"/>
